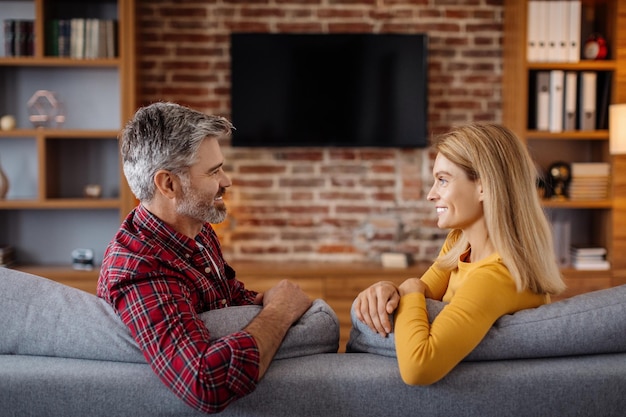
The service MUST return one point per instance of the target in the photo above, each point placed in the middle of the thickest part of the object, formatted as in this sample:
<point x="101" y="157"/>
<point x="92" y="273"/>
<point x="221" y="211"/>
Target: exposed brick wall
<point x="325" y="204"/>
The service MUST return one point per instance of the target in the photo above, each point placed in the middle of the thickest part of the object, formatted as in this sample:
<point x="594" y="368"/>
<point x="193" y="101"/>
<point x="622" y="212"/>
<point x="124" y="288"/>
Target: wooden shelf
<point x="60" y="133"/>
<point x="571" y="273"/>
<point x="59" y="272"/>
<point x="66" y="275"/>
<point x="577" y="204"/>
<point x="61" y="203"/>
<point x="579" y="282"/>
<point x="31" y="61"/>
<point x="570" y="135"/>
<point x="583" y="65"/>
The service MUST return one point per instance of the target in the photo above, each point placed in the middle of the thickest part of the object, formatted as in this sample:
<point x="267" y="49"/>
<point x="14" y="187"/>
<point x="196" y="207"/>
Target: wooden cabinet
<point x="46" y="214"/>
<point x="593" y="222"/>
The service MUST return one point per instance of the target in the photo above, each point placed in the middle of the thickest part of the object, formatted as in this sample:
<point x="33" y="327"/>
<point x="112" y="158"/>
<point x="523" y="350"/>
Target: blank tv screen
<point x="344" y="90"/>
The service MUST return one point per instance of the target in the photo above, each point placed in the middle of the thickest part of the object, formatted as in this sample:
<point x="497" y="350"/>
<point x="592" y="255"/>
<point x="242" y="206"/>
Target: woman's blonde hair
<point x="516" y="222"/>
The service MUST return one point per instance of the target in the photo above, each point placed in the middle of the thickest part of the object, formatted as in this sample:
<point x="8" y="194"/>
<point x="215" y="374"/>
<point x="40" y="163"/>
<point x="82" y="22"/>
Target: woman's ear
<point x="166" y="183"/>
<point x="479" y="187"/>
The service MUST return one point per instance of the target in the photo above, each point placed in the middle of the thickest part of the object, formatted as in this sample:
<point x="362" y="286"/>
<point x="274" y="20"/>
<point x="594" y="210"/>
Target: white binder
<point x="532" y="32"/>
<point x="560" y="20"/>
<point x="557" y="79"/>
<point x="554" y="25"/>
<point x="542" y="105"/>
<point x="538" y="26"/>
<point x="573" y="49"/>
<point x="571" y="94"/>
<point x="587" y="101"/>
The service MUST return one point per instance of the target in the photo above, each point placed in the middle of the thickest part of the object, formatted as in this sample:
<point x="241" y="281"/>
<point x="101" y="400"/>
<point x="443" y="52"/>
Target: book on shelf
<point x="589" y="258"/>
<point x="588" y="251"/>
<point x="77" y="38"/>
<point x="584" y="265"/>
<point x="589" y="180"/>
<point x="19" y="37"/>
<point x="554" y="29"/>
<point x="82" y="38"/>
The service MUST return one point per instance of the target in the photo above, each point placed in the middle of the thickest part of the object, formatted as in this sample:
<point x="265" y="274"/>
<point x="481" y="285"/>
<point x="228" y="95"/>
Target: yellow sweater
<point x="478" y="294"/>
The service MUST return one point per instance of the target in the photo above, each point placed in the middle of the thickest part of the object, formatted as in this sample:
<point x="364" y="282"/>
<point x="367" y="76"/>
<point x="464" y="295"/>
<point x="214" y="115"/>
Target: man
<point x="165" y="265"/>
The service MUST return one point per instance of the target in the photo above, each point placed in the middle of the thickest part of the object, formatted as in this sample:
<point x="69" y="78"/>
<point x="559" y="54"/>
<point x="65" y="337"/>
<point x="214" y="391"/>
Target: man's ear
<point x="166" y="183"/>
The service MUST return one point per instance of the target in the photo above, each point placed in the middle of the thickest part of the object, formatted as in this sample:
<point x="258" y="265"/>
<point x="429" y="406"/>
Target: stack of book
<point x="590" y="181"/>
<point x="589" y="258"/>
<point x="7" y="255"/>
<point x="18" y="37"/>
<point x="81" y="38"/>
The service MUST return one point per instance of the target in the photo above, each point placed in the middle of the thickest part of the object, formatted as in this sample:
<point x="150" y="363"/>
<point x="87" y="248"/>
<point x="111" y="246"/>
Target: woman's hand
<point x="373" y="306"/>
<point x="412" y="285"/>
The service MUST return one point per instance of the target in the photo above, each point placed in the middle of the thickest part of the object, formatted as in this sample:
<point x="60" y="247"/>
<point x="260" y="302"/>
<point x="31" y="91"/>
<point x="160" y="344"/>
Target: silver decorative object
<point x="45" y="109"/>
<point x="93" y="190"/>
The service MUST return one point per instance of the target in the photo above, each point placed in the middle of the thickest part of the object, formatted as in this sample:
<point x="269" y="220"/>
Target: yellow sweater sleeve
<point x="427" y="352"/>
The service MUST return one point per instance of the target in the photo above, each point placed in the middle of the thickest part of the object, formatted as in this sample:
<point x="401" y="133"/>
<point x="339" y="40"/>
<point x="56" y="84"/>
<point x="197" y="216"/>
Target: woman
<point x="497" y="259"/>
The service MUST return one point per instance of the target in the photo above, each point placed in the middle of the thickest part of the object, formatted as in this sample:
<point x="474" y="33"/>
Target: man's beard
<point x="200" y="207"/>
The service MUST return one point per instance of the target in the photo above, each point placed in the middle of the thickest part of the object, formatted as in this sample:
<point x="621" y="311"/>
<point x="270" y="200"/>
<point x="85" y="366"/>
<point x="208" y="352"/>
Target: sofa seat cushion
<point x="325" y="385"/>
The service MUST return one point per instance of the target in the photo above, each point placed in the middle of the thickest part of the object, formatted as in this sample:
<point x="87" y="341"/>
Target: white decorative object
<point x="93" y="190"/>
<point x="394" y="260"/>
<point x="7" y="122"/>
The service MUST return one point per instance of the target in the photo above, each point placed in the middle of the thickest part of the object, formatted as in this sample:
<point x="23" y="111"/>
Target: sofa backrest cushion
<point x="589" y="323"/>
<point x="41" y="317"/>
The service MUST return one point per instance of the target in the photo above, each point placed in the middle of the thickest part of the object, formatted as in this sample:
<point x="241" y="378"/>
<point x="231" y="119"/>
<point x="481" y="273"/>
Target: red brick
<point x="183" y="55"/>
<point x="262" y="169"/>
<point x="336" y="249"/>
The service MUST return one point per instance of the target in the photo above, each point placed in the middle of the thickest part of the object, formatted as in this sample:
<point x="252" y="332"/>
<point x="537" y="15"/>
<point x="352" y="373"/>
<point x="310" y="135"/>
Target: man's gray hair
<point x="164" y="136"/>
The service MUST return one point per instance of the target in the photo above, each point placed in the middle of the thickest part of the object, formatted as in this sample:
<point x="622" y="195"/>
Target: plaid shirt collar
<point x="155" y="228"/>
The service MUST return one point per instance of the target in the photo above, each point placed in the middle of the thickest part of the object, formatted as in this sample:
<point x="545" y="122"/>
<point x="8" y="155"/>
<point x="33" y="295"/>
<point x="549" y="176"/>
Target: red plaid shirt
<point x="158" y="281"/>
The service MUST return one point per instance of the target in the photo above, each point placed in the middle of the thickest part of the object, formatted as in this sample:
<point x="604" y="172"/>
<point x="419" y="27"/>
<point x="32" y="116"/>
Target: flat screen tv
<point x="320" y="90"/>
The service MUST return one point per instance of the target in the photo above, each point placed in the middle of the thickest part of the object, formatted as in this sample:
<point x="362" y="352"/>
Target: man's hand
<point x="283" y="305"/>
<point x="374" y="304"/>
<point x="289" y="298"/>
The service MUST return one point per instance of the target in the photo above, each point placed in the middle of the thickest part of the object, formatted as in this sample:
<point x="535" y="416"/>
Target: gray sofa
<point x="566" y="359"/>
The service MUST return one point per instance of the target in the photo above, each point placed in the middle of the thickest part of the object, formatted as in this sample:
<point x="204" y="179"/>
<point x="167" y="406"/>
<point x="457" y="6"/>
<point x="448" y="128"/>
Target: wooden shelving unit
<point x="46" y="214"/>
<point x="604" y="220"/>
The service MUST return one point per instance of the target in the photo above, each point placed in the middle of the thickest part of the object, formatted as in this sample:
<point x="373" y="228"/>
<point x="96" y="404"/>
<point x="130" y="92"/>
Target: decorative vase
<point x="4" y="184"/>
